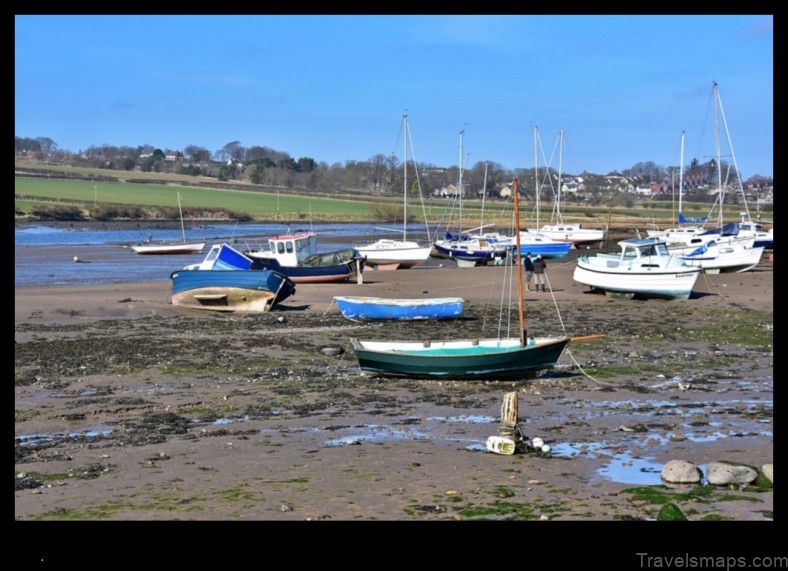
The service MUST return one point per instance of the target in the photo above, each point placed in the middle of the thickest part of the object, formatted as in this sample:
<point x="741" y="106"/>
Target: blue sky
<point x="334" y="87"/>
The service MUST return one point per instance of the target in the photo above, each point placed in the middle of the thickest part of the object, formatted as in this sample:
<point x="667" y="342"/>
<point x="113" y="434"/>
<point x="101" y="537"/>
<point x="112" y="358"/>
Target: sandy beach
<point x="128" y="408"/>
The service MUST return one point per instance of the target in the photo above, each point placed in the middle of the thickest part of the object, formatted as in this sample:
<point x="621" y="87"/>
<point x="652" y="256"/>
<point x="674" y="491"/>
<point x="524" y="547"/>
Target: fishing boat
<point x="643" y="268"/>
<point x="474" y="358"/>
<point x="389" y="253"/>
<point x="364" y="308"/>
<point x="182" y="247"/>
<point x="296" y="255"/>
<point x="226" y="280"/>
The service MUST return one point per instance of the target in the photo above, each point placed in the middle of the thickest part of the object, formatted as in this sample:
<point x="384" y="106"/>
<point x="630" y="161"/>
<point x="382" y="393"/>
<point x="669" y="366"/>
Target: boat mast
<point x="536" y="176"/>
<point x="460" y="181"/>
<point x="681" y="171"/>
<point x="180" y="211"/>
<point x="560" y="218"/>
<point x="720" y="192"/>
<point x="733" y="155"/>
<point x="484" y="195"/>
<point x="523" y="332"/>
<point x="405" y="177"/>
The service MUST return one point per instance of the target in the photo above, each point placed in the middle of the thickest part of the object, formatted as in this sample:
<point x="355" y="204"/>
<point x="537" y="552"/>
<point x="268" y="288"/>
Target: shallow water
<point x="105" y="255"/>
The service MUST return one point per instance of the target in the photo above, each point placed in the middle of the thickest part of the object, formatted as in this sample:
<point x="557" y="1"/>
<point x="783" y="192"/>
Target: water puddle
<point x="39" y="439"/>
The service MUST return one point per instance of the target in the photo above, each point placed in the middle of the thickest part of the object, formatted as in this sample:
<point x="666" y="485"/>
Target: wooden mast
<point x="523" y="331"/>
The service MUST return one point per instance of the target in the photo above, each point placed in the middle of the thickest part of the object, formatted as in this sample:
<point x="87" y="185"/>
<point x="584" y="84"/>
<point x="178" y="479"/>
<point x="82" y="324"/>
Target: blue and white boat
<point x="296" y="256"/>
<point x="226" y="281"/>
<point x="535" y="243"/>
<point x="364" y="308"/>
<point x="469" y="250"/>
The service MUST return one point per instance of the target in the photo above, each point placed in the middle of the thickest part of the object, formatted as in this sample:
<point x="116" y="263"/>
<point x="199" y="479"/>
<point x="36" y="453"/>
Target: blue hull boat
<point x="226" y="281"/>
<point x="362" y="308"/>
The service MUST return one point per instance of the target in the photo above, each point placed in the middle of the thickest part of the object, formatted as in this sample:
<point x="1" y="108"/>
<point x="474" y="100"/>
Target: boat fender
<point x="427" y="343"/>
<point x="475" y="342"/>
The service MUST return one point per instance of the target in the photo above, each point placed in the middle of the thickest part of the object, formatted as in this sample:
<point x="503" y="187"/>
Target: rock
<point x="681" y="472"/>
<point x="671" y="512"/>
<point x="723" y="473"/>
<point x="768" y="471"/>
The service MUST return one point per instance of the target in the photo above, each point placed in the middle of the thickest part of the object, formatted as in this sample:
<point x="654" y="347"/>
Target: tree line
<point x="379" y="175"/>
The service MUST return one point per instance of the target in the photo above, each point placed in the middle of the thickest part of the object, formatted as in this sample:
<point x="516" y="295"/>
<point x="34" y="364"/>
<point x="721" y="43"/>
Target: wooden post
<point x="509" y="415"/>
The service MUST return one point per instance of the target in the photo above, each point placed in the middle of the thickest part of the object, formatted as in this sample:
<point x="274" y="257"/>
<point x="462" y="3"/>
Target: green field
<point x="352" y="206"/>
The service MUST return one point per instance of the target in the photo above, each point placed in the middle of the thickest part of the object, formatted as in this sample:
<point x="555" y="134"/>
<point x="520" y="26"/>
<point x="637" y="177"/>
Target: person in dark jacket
<point x="539" y="267"/>
<point x="529" y="270"/>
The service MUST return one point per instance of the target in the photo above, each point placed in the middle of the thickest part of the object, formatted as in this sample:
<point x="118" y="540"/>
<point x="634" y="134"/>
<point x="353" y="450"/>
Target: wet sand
<point x="130" y="409"/>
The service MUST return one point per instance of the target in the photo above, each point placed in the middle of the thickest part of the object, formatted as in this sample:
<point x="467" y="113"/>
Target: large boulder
<point x="681" y="472"/>
<point x="724" y="473"/>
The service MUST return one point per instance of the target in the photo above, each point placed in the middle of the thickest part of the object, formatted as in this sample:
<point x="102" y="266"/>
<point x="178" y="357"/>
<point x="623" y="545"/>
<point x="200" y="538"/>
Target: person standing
<point x="529" y="270"/>
<point x="539" y="267"/>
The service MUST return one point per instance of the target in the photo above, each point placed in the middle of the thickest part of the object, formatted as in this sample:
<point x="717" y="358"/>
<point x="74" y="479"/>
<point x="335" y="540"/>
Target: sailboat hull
<point x="169" y="249"/>
<point x="394" y="254"/>
<point x="482" y="359"/>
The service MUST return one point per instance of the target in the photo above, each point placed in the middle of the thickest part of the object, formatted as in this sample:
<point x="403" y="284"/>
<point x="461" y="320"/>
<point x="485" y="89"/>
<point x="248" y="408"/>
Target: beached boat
<point x="762" y="238"/>
<point x="389" y="253"/>
<point x="643" y="268"/>
<point x="714" y="258"/>
<point x="170" y="248"/>
<point x="469" y="250"/>
<point x="535" y="242"/>
<point x="464" y="247"/>
<point x="227" y="281"/>
<point x="364" y="308"/>
<point x="296" y="255"/>
<point x="473" y="358"/>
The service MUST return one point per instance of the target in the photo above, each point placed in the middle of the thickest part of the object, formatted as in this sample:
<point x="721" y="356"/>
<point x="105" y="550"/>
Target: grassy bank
<point x="67" y="193"/>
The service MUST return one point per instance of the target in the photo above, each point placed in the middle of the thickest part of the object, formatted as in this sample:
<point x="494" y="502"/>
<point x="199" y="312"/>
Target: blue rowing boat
<point x="363" y="308"/>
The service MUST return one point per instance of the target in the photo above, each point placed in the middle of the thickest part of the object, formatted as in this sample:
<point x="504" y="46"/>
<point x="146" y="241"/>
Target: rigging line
<point x="563" y="329"/>
<point x="711" y="286"/>
<point x="409" y="139"/>
<point x="348" y="349"/>
<point x="333" y="301"/>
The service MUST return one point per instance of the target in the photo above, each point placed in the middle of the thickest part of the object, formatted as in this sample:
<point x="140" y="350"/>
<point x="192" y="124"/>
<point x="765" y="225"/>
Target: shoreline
<point x="752" y="290"/>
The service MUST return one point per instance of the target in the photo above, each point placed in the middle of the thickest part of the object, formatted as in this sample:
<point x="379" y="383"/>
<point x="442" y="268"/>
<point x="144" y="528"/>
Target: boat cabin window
<point x="299" y="245"/>
<point x="662" y="249"/>
<point x="212" y="255"/>
<point x="280" y="248"/>
<point x="289" y="246"/>
<point x="630" y="252"/>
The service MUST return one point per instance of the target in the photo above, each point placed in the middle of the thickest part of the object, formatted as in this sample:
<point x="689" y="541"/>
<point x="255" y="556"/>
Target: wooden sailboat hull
<point x="482" y="359"/>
